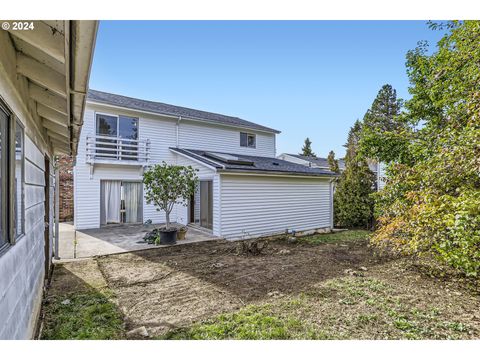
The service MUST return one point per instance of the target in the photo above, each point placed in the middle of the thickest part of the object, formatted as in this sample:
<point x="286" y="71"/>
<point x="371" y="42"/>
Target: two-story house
<point x="244" y="190"/>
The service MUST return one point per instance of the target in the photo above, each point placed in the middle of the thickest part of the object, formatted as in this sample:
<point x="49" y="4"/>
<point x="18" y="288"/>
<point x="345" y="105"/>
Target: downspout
<point x="332" y="182"/>
<point x="177" y="132"/>
<point x="57" y="210"/>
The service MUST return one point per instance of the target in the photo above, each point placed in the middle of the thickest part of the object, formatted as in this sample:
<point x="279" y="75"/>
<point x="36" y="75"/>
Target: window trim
<point x="248" y="135"/>
<point x="16" y="236"/>
<point x="4" y="184"/>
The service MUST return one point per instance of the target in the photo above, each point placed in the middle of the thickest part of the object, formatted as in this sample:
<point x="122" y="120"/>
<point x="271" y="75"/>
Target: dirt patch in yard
<point x="172" y="287"/>
<point x="329" y="286"/>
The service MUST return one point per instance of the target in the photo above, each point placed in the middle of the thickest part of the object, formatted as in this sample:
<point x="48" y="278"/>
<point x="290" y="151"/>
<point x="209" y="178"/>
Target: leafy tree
<point x="385" y="133"/>
<point x="431" y="204"/>
<point x="332" y="162"/>
<point x="167" y="185"/>
<point x="353" y="205"/>
<point x="307" y="148"/>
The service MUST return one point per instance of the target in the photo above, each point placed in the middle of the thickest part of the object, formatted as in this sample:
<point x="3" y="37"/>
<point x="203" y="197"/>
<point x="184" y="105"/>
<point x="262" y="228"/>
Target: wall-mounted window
<point x="19" y="203"/>
<point x="117" y="137"/>
<point x="248" y="140"/>
<point x="4" y="121"/>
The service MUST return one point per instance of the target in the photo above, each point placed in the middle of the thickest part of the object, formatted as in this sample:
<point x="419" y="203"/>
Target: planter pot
<point x="168" y="237"/>
<point x="181" y="234"/>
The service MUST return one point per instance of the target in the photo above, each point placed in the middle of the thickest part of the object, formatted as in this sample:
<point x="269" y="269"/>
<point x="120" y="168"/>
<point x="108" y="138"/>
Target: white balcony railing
<point x="108" y="149"/>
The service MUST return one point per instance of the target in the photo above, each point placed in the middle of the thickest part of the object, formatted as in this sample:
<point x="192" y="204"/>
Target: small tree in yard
<point x="353" y="205"/>
<point x="167" y="185"/>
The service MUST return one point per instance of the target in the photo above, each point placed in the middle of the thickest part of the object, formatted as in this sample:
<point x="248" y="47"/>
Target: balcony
<point x="116" y="150"/>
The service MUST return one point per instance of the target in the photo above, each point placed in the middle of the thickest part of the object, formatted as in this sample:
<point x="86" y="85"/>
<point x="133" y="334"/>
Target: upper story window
<point x="116" y="137"/>
<point x="248" y="140"/>
<point x="124" y="127"/>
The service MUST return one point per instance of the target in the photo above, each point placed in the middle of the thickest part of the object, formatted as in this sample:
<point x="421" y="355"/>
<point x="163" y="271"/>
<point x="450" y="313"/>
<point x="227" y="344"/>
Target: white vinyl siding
<point x="263" y="205"/>
<point x="223" y="139"/>
<point x="163" y="133"/>
<point x="204" y="173"/>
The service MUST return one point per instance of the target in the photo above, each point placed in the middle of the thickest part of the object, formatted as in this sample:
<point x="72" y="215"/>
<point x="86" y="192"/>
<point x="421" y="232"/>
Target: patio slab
<point x="115" y="239"/>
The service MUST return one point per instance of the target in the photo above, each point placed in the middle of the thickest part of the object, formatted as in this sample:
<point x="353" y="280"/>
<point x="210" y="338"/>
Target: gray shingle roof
<point x="322" y="162"/>
<point x="173" y="110"/>
<point x="260" y="164"/>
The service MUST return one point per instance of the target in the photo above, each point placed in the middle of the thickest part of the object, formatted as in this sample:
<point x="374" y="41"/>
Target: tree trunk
<point x="167" y="218"/>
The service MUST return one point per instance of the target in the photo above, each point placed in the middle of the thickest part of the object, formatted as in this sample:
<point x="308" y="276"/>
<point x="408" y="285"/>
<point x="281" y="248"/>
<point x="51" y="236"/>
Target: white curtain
<point x="110" y="202"/>
<point x="133" y="201"/>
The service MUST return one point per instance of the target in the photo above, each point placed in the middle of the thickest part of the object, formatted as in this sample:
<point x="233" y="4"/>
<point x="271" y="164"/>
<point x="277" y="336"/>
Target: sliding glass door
<point x="120" y="202"/>
<point x="206" y="204"/>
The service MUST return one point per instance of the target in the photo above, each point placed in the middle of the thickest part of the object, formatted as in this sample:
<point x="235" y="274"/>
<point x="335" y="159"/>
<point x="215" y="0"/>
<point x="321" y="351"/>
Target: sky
<point x="305" y="78"/>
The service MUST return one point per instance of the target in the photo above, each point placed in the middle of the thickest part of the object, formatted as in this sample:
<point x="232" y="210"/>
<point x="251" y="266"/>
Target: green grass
<point x="342" y="236"/>
<point x="253" y="322"/>
<point x="85" y="315"/>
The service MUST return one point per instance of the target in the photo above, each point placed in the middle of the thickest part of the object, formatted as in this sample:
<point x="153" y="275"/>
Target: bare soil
<point x="167" y="288"/>
<point x="314" y="288"/>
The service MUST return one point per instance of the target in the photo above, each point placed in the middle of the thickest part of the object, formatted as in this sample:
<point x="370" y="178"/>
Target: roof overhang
<point x="54" y="61"/>
<point x="183" y="118"/>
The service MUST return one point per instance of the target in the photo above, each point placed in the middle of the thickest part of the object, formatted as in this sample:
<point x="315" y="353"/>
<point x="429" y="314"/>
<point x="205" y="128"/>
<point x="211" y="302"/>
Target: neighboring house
<point x="322" y="163"/>
<point x="44" y="75"/>
<point x="244" y="190"/>
<point x="311" y="161"/>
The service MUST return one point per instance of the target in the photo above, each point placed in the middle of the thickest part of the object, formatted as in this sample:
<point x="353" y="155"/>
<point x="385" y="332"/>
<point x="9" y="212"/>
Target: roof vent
<point x="275" y="163"/>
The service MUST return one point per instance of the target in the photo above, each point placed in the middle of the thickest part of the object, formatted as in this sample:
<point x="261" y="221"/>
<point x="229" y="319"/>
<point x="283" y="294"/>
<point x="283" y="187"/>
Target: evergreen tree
<point x="353" y="205"/>
<point x="307" y="148"/>
<point x="332" y="162"/>
<point x="384" y="130"/>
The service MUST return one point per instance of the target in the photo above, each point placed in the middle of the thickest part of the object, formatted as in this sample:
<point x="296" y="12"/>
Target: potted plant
<point x="182" y="232"/>
<point x="165" y="186"/>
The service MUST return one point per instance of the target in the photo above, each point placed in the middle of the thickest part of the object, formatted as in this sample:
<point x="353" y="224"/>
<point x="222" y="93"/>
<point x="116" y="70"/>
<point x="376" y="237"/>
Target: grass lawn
<point x="329" y="286"/>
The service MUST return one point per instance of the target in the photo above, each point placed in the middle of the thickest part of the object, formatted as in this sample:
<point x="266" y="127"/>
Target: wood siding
<point x="263" y="205"/>
<point x="22" y="266"/>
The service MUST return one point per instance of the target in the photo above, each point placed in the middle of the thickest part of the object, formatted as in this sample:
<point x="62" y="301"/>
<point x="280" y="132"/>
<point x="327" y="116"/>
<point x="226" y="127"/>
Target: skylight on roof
<point x="228" y="158"/>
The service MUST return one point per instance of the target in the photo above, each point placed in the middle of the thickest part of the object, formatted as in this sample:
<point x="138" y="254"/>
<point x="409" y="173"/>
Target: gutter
<point x="274" y="173"/>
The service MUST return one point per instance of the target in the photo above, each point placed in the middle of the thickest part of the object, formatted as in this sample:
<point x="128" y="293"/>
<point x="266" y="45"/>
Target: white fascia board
<point x="274" y="174"/>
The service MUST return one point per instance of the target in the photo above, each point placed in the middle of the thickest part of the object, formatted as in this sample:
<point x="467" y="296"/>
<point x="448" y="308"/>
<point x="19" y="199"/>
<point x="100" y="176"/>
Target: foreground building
<point x="244" y="190"/>
<point x="44" y="72"/>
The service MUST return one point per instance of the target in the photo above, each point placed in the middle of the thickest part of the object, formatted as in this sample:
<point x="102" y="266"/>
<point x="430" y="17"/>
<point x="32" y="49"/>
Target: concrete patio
<point x="115" y="239"/>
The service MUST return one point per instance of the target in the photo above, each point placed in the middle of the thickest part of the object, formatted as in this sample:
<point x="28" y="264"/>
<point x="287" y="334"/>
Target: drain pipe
<point x="177" y="131"/>
<point x="57" y="210"/>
